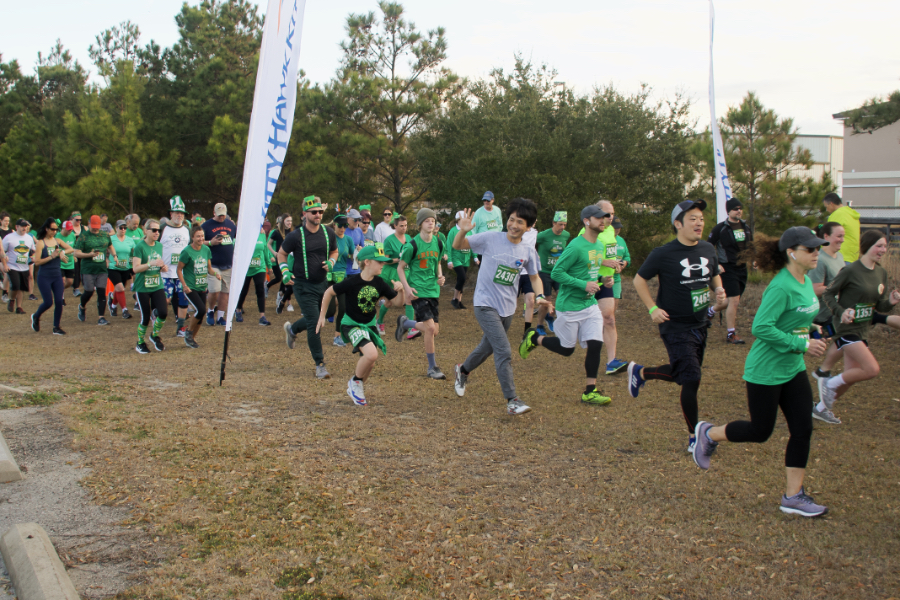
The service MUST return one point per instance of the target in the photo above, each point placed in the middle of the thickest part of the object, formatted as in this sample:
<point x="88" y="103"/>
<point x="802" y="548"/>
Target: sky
<point x="806" y="60"/>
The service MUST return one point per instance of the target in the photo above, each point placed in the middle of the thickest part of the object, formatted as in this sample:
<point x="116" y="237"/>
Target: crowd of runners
<point x="828" y="289"/>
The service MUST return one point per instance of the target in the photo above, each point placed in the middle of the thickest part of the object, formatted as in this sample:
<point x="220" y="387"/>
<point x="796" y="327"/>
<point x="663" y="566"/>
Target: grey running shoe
<point x="703" y="447"/>
<point x="825" y="415"/>
<point x="461" y="380"/>
<point x="516" y="407"/>
<point x="289" y="336"/>
<point x="339" y="342"/>
<point x="81" y="313"/>
<point x="126" y="314"/>
<point x="189" y="340"/>
<point x="102" y="321"/>
<point x="436" y="373"/>
<point x="827" y="394"/>
<point x="802" y="505"/>
<point x="322" y="372"/>
<point x="398" y="335"/>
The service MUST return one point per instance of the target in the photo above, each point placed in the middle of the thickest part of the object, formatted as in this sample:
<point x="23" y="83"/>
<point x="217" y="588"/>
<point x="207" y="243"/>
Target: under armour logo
<point x="688" y="267"/>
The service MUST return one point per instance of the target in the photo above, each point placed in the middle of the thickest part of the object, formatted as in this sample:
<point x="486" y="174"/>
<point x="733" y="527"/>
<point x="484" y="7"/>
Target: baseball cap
<point x="616" y="223"/>
<point x="121" y="223"/>
<point x="353" y="214"/>
<point x="25" y="223"/>
<point x="68" y="226"/>
<point x="592" y="210"/>
<point x="686" y="205"/>
<point x="96" y="221"/>
<point x="800" y="236"/>
<point x="487" y="196"/>
<point x="461" y="214"/>
<point x="220" y="209"/>
<point x="375" y="252"/>
<point x="561" y="216"/>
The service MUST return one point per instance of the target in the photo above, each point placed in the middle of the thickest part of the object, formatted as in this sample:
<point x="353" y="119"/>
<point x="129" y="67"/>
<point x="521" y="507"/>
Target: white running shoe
<point x="290" y="308"/>
<point x="355" y="391"/>
<point x="461" y="380"/>
<point x="516" y="407"/>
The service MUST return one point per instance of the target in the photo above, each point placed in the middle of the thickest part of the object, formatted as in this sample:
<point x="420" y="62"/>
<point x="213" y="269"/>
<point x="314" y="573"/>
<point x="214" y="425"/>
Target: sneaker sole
<point x="140" y="351"/>
<point x="400" y="334"/>
<point x="819" y="417"/>
<point x="631" y="392"/>
<point x="456" y="385"/>
<point x="794" y="511"/>
<point x="517" y="413"/>
<point x="354" y="398"/>
<point x="617" y="370"/>
<point x="601" y="403"/>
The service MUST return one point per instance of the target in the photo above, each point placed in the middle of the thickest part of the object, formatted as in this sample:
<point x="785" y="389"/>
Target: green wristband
<point x="652" y="308"/>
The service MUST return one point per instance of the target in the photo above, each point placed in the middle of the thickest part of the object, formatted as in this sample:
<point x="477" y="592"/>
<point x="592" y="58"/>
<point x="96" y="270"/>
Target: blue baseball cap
<point x="487" y="196"/>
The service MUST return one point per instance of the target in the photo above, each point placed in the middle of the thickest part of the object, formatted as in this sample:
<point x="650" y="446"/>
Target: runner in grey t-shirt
<point x="504" y="259"/>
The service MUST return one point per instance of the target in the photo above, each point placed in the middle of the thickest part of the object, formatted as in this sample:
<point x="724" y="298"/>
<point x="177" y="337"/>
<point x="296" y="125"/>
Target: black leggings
<point x="689" y="391"/>
<point x="591" y="359"/>
<point x="460" y="277"/>
<point x="197" y="299"/>
<point x="796" y="400"/>
<point x="52" y="292"/>
<point x="259" y="281"/>
<point x="148" y="301"/>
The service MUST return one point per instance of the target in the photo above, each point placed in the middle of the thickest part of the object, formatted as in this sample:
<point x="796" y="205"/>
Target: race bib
<point x="200" y="279"/>
<point x="863" y="313"/>
<point x="369" y="243"/>
<point x="226" y="240"/>
<point x="611" y="252"/>
<point x="122" y="263"/>
<point x="801" y="332"/>
<point x="152" y="281"/>
<point x="357" y="335"/>
<point x="551" y="260"/>
<point x="740" y="235"/>
<point x="255" y="262"/>
<point x="100" y="257"/>
<point x="700" y="299"/>
<point x="22" y="259"/>
<point x="493" y="225"/>
<point x="174" y="259"/>
<point x="505" y="275"/>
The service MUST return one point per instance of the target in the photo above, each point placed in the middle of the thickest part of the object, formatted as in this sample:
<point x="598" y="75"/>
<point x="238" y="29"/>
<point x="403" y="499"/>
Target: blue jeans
<point x="52" y="294"/>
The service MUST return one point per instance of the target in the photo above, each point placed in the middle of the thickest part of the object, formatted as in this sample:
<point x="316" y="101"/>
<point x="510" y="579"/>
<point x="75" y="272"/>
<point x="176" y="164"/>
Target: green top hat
<point x="176" y="204"/>
<point x="310" y="203"/>
<point x="375" y="252"/>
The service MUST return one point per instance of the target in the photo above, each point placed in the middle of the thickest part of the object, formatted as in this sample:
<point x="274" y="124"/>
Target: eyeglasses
<point x="154" y="230"/>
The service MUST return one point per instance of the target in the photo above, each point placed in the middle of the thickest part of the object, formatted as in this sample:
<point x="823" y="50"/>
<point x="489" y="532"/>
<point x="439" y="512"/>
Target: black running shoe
<point x="142" y="348"/>
<point x="157" y="343"/>
<point x="35" y="323"/>
<point x="58" y="331"/>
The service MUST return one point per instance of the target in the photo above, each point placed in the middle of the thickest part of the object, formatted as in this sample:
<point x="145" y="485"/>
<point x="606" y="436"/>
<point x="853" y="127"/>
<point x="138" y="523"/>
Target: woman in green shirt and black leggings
<point x="775" y="371"/>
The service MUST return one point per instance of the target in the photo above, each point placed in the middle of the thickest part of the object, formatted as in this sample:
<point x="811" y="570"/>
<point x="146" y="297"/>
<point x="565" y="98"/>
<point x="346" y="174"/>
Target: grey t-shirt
<point x="502" y="263"/>
<point x="825" y="272"/>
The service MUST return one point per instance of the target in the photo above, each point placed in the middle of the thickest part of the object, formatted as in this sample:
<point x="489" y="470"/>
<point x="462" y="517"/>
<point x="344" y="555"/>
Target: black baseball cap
<point x="683" y="207"/>
<point x="616" y="223"/>
<point x="592" y="210"/>
<point x="800" y="236"/>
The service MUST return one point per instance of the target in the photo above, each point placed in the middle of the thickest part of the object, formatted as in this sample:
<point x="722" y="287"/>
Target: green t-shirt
<point x="579" y="264"/>
<point x="393" y="248"/>
<point x="137" y="234"/>
<point x="93" y="242"/>
<point x="550" y="247"/>
<point x="459" y="258"/>
<point x="346" y="248"/>
<point x="781" y="327"/>
<point x="123" y="253"/>
<point x="196" y="267"/>
<point x="423" y="266"/>
<point x="151" y="279"/>
<point x="622" y="253"/>
<point x="70" y="240"/>
<point x="608" y="238"/>
<point x="488" y="221"/>
<point x="259" y="262"/>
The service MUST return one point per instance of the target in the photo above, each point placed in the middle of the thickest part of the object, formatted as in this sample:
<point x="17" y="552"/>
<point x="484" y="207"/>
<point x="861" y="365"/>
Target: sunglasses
<point x="121" y="227"/>
<point x="54" y="228"/>
<point x="366" y="222"/>
<point x="154" y="230"/>
<point x="316" y="212"/>
<point x="79" y="219"/>
<point x="387" y="214"/>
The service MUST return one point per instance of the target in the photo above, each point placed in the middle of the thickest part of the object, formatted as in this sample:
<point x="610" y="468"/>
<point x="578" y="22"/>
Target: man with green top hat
<point x="315" y="251"/>
<point x="175" y="237"/>
<point x="550" y="245"/>
<point x="358" y="325"/>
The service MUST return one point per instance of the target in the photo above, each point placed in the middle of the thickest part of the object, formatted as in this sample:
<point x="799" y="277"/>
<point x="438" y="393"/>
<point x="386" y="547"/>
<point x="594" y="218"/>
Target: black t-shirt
<point x="317" y="251"/>
<point x="685" y="276"/>
<point x="730" y="239"/>
<point x="277" y="239"/>
<point x="4" y="233"/>
<point x="362" y="296"/>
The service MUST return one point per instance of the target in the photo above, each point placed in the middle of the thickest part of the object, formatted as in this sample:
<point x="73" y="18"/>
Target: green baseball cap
<point x="310" y="203"/>
<point x="375" y="252"/>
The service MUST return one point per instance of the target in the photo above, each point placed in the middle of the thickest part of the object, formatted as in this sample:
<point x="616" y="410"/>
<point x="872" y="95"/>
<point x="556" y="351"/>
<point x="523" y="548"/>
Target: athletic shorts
<point x="734" y="279"/>
<point x="117" y="277"/>
<point x="173" y="286"/>
<point x="426" y="308"/>
<point x="18" y="280"/>
<point x="579" y="326"/>
<point x="216" y="286"/>
<point x="605" y="292"/>
<point x="345" y="332"/>
<point x="549" y="284"/>
<point x="847" y="340"/>
<point x="92" y="281"/>
<point x="686" y="350"/>
<point x="525" y="286"/>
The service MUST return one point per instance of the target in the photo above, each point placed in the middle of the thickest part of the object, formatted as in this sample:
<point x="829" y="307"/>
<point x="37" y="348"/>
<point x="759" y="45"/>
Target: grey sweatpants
<point x="494" y="341"/>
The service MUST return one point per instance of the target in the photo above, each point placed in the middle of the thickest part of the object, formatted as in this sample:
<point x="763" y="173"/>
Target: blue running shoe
<point x="238" y="316"/>
<point x="264" y="322"/>
<point x="540" y="330"/>
<point x="615" y="366"/>
<point x="330" y="319"/>
<point x="210" y="318"/>
<point x="550" y="320"/>
<point x="635" y="381"/>
<point x="221" y="321"/>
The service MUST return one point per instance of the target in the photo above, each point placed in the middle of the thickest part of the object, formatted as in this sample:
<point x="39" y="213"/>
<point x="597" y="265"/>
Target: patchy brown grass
<point x="277" y="486"/>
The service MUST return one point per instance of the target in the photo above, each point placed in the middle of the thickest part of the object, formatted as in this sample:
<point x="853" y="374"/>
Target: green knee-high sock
<point x="410" y="313"/>
<point x="142" y="331"/>
<point x="157" y="326"/>
<point x="381" y="312"/>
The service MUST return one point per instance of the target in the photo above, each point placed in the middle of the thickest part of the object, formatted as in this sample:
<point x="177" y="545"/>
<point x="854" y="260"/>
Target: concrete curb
<point x="33" y="565"/>
<point x="9" y="470"/>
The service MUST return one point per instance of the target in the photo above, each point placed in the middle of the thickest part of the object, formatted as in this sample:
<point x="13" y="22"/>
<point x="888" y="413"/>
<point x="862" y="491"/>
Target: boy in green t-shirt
<point x="423" y="285"/>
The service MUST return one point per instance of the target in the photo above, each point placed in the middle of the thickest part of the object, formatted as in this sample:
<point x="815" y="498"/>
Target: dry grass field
<point x="276" y="486"/>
